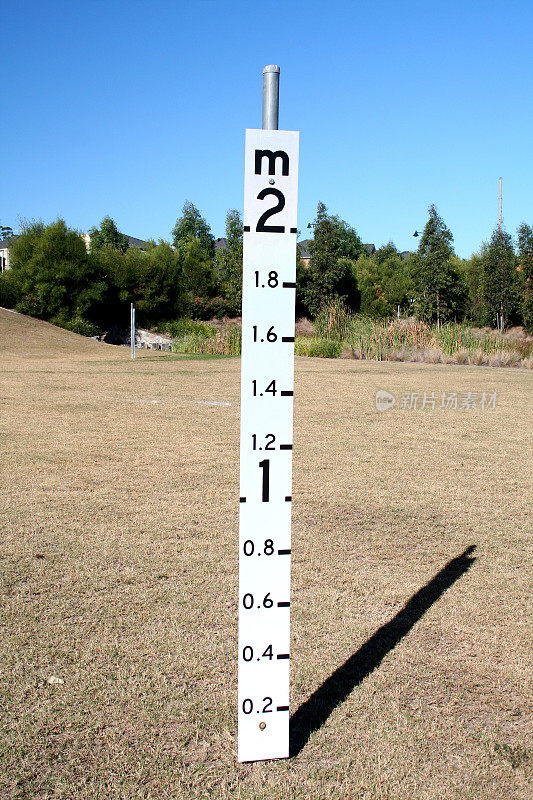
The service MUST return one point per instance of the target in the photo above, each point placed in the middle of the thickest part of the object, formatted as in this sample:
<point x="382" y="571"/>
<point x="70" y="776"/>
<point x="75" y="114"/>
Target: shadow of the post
<point x="312" y="714"/>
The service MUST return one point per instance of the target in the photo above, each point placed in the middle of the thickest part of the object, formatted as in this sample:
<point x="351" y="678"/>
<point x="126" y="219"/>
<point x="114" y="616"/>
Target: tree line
<point x="53" y="276"/>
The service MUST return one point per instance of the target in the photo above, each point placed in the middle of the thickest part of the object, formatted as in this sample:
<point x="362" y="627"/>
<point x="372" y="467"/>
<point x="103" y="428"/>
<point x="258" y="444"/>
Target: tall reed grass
<point x="224" y="342"/>
<point x="414" y="340"/>
<point x="338" y="332"/>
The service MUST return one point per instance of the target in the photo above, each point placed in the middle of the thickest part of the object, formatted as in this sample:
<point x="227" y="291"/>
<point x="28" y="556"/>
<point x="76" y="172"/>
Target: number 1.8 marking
<point x="271" y="281"/>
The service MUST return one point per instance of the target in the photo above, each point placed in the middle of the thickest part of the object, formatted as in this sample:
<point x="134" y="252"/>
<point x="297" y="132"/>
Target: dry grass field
<point x="411" y="603"/>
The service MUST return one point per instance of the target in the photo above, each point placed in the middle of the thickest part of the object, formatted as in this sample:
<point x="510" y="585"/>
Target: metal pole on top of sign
<point x="270" y="97"/>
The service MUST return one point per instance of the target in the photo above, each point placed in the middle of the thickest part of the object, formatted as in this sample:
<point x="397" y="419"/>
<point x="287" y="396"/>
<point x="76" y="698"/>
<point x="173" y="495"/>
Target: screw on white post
<point x="267" y="388"/>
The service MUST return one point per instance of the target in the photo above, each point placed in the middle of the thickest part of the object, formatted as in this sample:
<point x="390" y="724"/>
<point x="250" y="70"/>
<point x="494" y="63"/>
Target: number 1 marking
<point x="265" y="466"/>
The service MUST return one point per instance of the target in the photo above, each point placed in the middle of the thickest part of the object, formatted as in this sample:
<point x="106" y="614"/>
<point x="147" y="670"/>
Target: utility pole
<point x="500" y="319"/>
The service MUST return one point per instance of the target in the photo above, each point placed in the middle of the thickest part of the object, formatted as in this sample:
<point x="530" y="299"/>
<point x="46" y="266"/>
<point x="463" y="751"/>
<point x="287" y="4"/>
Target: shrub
<point x="8" y="291"/>
<point x="29" y="304"/>
<point x="188" y="327"/>
<point x="317" y="347"/>
<point x="77" y="325"/>
<point x="209" y="307"/>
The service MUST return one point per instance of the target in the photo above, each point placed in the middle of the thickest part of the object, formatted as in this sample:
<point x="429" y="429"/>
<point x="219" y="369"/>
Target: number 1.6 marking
<point x="270" y="335"/>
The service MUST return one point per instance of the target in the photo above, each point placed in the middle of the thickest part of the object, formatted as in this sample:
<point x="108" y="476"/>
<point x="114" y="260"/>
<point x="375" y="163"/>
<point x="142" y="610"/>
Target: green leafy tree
<point x="384" y="282"/>
<point x="124" y="273"/>
<point x="476" y="307"/>
<point x="191" y="224"/>
<point x="197" y="268"/>
<point x="228" y="263"/>
<point x="386" y="253"/>
<point x="301" y="286"/>
<point x="439" y="291"/>
<point x="107" y="236"/>
<point x="53" y="274"/>
<point x="162" y="289"/>
<point x="331" y="272"/>
<point x="6" y="231"/>
<point x="195" y="247"/>
<point x="500" y="283"/>
<point x="525" y="259"/>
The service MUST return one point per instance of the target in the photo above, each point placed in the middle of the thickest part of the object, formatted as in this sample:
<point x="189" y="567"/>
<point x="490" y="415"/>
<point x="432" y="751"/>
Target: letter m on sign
<point x="272" y="157"/>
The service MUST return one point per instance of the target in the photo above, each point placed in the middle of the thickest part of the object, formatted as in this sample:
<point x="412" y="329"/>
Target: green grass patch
<point x="317" y="347"/>
<point x="187" y="327"/>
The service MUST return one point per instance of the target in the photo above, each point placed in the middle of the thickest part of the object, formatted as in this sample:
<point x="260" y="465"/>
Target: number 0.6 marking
<point x="248" y="601"/>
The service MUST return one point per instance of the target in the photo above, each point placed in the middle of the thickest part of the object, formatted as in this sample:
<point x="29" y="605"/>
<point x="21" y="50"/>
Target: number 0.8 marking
<point x="249" y="547"/>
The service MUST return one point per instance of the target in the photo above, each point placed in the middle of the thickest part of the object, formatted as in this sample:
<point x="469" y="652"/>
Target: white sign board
<point x="267" y="384"/>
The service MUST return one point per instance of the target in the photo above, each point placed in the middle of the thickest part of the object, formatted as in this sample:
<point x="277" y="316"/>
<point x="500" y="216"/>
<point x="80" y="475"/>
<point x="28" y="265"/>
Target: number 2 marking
<point x="261" y="227"/>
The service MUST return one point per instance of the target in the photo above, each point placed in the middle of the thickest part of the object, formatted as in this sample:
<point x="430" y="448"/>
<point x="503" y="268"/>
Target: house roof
<point x="133" y="242"/>
<point x="220" y="244"/>
<point x="303" y="248"/>
<point x="5" y="243"/>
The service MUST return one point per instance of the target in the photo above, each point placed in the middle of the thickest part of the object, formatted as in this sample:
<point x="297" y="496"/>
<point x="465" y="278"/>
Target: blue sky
<point x="129" y="109"/>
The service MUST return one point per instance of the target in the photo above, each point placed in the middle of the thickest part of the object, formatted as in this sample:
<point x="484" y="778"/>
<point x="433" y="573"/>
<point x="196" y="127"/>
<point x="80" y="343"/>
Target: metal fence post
<point x="132" y="330"/>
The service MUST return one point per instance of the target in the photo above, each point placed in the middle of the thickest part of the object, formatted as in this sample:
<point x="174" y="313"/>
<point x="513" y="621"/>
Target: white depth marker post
<point x="267" y="384"/>
<point x="132" y="330"/>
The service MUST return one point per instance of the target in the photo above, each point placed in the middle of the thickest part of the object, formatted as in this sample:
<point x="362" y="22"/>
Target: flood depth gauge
<point x="267" y="388"/>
